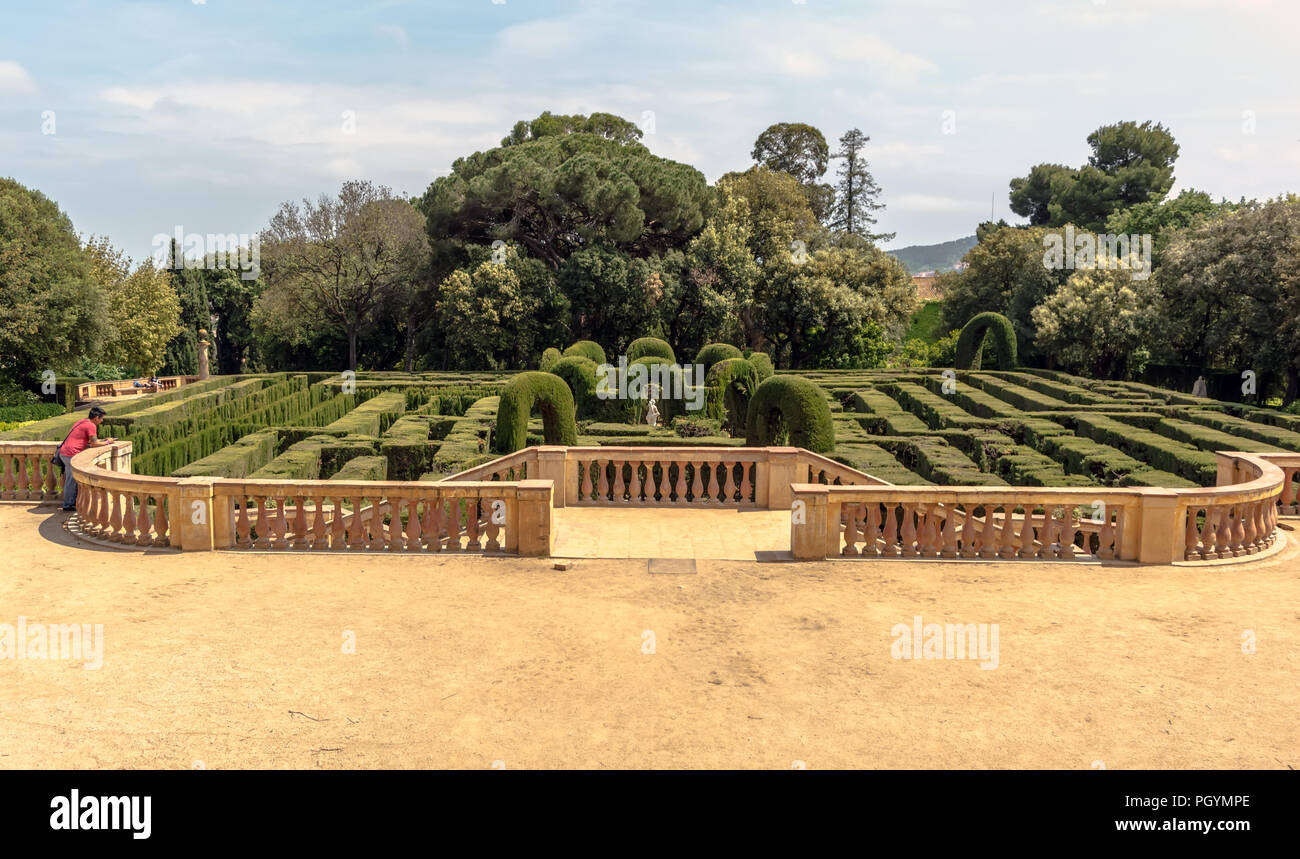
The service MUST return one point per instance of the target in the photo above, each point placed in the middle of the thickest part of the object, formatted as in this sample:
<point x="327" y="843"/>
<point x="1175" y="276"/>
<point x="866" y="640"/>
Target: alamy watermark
<point x="239" y="251"/>
<point x="1108" y="251"/>
<point x="80" y="641"/>
<point x="641" y="381"/>
<point x="946" y="641"/>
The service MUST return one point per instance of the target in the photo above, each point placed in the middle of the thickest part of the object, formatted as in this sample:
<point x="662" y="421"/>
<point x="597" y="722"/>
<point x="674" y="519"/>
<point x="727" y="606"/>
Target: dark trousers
<point x="69" y="485"/>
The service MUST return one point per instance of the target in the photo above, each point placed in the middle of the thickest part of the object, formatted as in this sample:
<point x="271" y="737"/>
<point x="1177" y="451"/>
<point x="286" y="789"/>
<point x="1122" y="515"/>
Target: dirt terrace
<point x="237" y="660"/>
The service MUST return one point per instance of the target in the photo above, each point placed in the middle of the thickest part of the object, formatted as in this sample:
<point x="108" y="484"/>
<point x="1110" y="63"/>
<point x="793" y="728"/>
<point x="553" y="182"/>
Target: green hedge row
<point x="1285" y="439"/>
<point x="364" y="468"/>
<point x="1022" y="398"/>
<point x="372" y="417"/>
<point x="1163" y="453"/>
<point x="877" y="462"/>
<point x="30" y="412"/>
<point x="889" y="418"/>
<point x="939" y="462"/>
<point x="238" y="459"/>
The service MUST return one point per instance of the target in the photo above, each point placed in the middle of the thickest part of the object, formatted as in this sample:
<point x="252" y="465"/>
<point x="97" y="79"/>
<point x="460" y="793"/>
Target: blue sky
<point x="207" y="115"/>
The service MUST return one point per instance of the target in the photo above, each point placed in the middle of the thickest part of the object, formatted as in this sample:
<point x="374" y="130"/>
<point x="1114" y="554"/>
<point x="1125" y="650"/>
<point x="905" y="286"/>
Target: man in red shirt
<point x="81" y="436"/>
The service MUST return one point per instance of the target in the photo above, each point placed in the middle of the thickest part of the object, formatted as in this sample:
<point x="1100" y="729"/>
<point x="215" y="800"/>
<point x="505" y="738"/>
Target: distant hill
<point x="941" y="257"/>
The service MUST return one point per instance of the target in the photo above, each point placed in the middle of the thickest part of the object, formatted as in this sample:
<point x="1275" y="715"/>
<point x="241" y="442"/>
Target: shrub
<point x="551" y="395"/>
<point x="579" y="374"/>
<point x="549" y="359"/>
<point x="30" y="412"/>
<point x="794" y="407"/>
<point x="971" y="340"/>
<point x="586" y="349"/>
<point x="696" y="427"/>
<point x="712" y="353"/>
<point x="668" y="377"/>
<point x="365" y="468"/>
<point x="730" y="384"/>
<point x="762" y="364"/>
<point x="650" y="346"/>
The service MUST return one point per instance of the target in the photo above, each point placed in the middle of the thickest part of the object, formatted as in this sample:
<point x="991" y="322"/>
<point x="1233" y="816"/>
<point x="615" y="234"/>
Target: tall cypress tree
<point x="190" y="284"/>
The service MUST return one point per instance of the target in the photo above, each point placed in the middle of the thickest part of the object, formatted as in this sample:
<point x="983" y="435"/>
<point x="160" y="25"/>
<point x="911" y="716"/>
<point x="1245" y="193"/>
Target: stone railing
<point x="505" y="506"/>
<point x="119" y="387"/>
<point x="1147" y="525"/>
<point x="736" y="477"/>
<point x="26" y="473"/>
<point x="202" y="513"/>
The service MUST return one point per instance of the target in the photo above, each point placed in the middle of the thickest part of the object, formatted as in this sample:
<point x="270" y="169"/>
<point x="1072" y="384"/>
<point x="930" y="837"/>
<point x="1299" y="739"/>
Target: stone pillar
<point x="1161" y="526"/>
<point x="203" y="354"/>
<point x="551" y="466"/>
<point x="533" y="517"/>
<point x="775" y="479"/>
<point x="191" y="521"/>
<point x="808" y="522"/>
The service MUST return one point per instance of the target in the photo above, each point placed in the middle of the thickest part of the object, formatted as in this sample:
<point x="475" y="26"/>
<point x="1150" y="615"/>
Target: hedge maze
<point x="1021" y="428"/>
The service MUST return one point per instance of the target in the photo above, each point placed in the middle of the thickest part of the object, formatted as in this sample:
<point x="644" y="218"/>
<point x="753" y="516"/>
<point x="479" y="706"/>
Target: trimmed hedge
<point x="793" y="407"/>
<point x="238" y="459"/>
<point x="653" y="347"/>
<point x="522" y="393"/>
<point x="31" y="412"/>
<point x="579" y="374"/>
<point x="729" y="385"/>
<point x="365" y="468"/>
<point x="971" y="341"/>
<point x="586" y="349"/>
<point x="669" y="407"/>
<point x="1165" y="454"/>
<point x="889" y="418"/>
<point x="550" y="357"/>
<point x="372" y="417"/>
<point x="762" y="364"/>
<point x="712" y="353"/>
<point x="409" y="447"/>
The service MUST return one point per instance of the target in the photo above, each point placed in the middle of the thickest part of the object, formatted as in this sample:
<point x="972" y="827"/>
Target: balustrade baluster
<point x="1238" y="530"/>
<point x="584" y="487"/>
<point x="115" y="518"/>
<point x="1007" y="547"/>
<point x="872" y="546"/>
<point x="1223" y="540"/>
<point x="697" y="485"/>
<point x="603" y="475"/>
<point x="746" y="488"/>
<point x="143" y="527"/>
<point x="850" y="546"/>
<point x="471" y="525"/>
<point x="988" y="535"/>
<point x="1107" y="547"/>
<point x="162" y="527"/>
<point x="7" y="467"/>
<point x="620" y="488"/>
<point x="969" y="538"/>
<point x="263" y="505"/>
<point x="665" y="486"/>
<point x="413" y="524"/>
<point x="493" y="527"/>
<point x="453" y="524"/>
<point x="891" y="547"/>
<point x="681" y="483"/>
<point x="24" y="488"/>
<point x="949" y="532"/>
<point x="909" y="531"/>
<point x="243" y="528"/>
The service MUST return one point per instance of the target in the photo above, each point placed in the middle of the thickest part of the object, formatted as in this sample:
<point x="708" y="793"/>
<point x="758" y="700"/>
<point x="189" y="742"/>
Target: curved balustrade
<point x="504" y="506"/>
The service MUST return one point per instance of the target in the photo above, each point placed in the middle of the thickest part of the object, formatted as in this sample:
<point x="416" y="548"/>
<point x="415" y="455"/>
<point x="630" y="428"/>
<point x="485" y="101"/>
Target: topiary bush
<point x="712" y="353"/>
<point x="650" y="346"/>
<point x="551" y="395"/>
<point x="579" y="374"/>
<point x="729" y="385"/>
<point x="971" y="341"/>
<point x="586" y="349"/>
<point x="793" y="407"/>
<point x="674" y="381"/>
<point x="550" y="358"/>
<point x="762" y="365"/>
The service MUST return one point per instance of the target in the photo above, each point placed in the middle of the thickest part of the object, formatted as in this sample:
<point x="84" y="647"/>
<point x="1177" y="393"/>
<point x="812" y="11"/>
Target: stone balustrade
<point x="26" y="473"/>
<point x="505" y="506"/>
<point x="120" y="387"/>
<point x="1149" y="525"/>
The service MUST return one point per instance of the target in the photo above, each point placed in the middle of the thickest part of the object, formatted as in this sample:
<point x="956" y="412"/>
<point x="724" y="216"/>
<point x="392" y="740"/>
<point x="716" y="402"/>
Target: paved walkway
<point x="651" y="532"/>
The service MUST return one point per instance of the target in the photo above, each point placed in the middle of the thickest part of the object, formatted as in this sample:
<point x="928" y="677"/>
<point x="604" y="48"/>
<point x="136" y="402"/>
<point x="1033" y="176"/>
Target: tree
<point x="558" y="193"/>
<point x="339" y="258"/>
<point x="190" y="282"/>
<point x="605" y="125"/>
<point x="1229" y="292"/>
<point x="143" y="307"/>
<point x="53" y="312"/>
<point x="1162" y="220"/>
<point x="1005" y="274"/>
<point x="1131" y="163"/>
<point x="1099" y="323"/>
<point x="480" y="306"/>
<point x="799" y="150"/>
<point x="1032" y="194"/>
<point x="231" y="300"/>
<point x="857" y="194"/>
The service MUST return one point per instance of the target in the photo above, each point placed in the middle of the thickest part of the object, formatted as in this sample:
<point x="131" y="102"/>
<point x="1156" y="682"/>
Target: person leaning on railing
<point x="82" y="435"/>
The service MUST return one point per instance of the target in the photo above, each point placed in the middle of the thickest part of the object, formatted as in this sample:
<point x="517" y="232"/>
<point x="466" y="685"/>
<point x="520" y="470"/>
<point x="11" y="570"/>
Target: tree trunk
<point x="410" y="342"/>
<point x="352" y="349"/>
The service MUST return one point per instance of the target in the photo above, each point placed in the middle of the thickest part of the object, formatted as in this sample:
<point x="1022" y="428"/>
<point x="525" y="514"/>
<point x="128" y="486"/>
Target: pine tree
<point x="190" y="284"/>
<point x="856" y="192"/>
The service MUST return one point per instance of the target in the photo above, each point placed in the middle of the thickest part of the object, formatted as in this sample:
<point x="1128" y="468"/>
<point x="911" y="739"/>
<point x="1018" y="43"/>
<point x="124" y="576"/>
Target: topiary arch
<point x="730" y="384"/>
<point x="643" y="347"/>
<point x="971" y="341"/>
<point x="587" y="349"/>
<point x="551" y="395"/>
<point x="796" y="405"/>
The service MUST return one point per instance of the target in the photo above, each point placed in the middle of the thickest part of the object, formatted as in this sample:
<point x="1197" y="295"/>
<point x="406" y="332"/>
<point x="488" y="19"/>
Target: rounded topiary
<point x="587" y="349"/>
<point x="712" y="353"/>
<point x="762" y="364"/>
<point x="579" y="374"/>
<point x="730" y="384"/>
<point x="971" y="341"/>
<point x="650" y="346"/>
<point x="550" y="358"/>
<point x="795" y="405"/>
<point x="551" y="395"/>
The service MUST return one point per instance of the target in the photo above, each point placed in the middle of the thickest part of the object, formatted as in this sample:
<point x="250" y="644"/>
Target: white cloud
<point x="14" y="78"/>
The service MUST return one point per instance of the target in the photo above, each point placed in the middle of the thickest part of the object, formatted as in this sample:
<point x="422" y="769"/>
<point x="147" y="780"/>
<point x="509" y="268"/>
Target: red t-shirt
<point x="83" y="433"/>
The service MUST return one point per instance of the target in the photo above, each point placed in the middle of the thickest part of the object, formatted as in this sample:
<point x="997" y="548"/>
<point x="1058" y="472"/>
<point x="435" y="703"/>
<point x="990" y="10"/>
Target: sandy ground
<point x="237" y="660"/>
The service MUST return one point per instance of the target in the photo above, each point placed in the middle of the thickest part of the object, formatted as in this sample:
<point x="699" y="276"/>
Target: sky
<point x="141" y="117"/>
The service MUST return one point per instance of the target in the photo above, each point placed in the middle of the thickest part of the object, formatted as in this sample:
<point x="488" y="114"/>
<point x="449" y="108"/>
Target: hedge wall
<point x="365" y="468"/>
<point x="790" y="407"/>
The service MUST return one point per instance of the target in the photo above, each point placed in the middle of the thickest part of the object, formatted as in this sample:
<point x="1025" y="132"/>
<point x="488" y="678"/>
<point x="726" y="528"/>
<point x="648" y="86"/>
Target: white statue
<point x="652" y="414"/>
<point x="1200" y="389"/>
